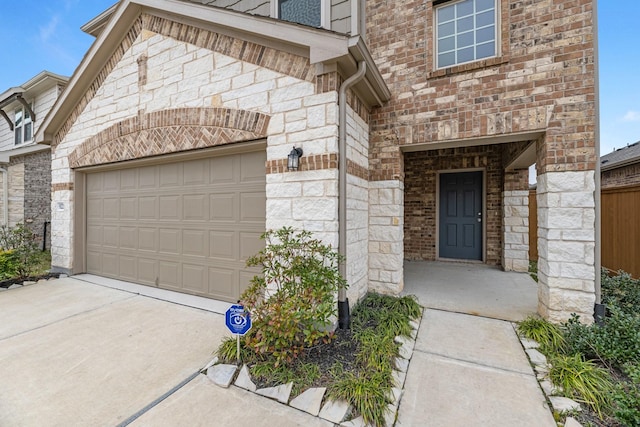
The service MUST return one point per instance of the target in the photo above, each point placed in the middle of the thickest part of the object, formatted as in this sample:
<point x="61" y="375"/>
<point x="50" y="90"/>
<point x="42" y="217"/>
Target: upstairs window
<point x="465" y="32"/>
<point x="23" y="126"/>
<point x="305" y="12"/>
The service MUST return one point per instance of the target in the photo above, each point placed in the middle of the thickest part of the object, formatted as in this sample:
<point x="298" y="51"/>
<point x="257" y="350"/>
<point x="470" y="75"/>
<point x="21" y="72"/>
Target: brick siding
<point x="619" y="177"/>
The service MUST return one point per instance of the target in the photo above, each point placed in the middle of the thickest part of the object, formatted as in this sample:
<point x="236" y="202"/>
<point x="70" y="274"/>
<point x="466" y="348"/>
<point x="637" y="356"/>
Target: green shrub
<point x="617" y="342"/>
<point x="9" y="264"/>
<point x="626" y="398"/>
<point x="544" y="332"/>
<point x="582" y="380"/>
<point x="368" y="392"/>
<point x="23" y="244"/>
<point x="292" y="303"/>
<point x="622" y="291"/>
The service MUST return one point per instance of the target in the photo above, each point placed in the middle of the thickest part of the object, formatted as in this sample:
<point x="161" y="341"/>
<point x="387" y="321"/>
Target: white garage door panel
<point x="187" y="226"/>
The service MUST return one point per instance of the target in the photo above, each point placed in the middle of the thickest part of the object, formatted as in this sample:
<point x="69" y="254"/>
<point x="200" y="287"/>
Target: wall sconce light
<point x="293" y="160"/>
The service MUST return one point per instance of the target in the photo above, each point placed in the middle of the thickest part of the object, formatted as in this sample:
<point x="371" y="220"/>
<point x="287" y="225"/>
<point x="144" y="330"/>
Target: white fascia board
<point x="7" y="155"/>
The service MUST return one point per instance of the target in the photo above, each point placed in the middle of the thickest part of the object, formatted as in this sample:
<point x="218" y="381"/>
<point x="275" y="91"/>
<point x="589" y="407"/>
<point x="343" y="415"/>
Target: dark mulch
<point x="341" y="349"/>
<point x="8" y="282"/>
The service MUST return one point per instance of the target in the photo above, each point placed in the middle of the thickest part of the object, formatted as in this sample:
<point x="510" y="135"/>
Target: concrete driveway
<point x="78" y="354"/>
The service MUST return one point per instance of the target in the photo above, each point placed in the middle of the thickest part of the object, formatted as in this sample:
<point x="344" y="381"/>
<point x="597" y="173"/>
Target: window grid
<point x="476" y="15"/>
<point x="23" y="126"/>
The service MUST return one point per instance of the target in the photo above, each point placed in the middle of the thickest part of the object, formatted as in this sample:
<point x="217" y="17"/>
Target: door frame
<point x="484" y="214"/>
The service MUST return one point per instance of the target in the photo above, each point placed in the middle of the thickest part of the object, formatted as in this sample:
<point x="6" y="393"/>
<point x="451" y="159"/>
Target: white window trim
<point x="497" y="33"/>
<point x="25" y="121"/>
<point x="325" y="12"/>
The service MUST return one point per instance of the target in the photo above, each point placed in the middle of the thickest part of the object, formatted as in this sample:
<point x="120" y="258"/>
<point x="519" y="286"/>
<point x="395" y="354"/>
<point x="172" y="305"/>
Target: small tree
<point x="293" y="302"/>
<point x="21" y="243"/>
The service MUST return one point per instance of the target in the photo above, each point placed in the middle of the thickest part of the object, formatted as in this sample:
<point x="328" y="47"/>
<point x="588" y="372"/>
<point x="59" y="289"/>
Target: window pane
<point x="484" y="5"/>
<point x="18" y="135"/>
<point x="485" y="50"/>
<point x="18" y="118"/>
<point x="485" y="35"/>
<point x="465" y="8"/>
<point x="447" y="29"/>
<point x="465" y="55"/>
<point x="27" y="132"/>
<point x="306" y="12"/>
<point x="465" y="24"/>
<point x="446" y="13"/>
<point x="446" y="59"/>
<point x="465" y="39"/>
<point x="485" y="18"/>
<point x="447" y="44"/>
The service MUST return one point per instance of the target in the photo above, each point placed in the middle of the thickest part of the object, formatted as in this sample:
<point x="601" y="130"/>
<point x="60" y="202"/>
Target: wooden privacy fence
<point x="620" y="228"/>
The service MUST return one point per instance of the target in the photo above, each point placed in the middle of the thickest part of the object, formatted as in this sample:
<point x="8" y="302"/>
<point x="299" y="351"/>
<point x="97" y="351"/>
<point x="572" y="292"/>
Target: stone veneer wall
<point x="515" y="222"/>
<point x="16" y="191"/>
<point x="421" y="171"/>
<point x="619" y="177"/>
<point x="566" y="245"/>
<point x="183" y="67"/>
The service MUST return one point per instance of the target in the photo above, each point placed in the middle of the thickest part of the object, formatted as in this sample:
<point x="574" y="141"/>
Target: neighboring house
<point x="418" y="122"/>
<point x="621" y="167"/>
<point x="25" y="167"/>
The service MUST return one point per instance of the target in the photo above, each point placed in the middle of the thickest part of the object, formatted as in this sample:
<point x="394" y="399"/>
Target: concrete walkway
<point x="75" y="353"/>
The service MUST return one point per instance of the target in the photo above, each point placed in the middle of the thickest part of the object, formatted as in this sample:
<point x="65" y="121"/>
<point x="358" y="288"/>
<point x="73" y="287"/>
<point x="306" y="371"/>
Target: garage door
<point x="186" y="226"/>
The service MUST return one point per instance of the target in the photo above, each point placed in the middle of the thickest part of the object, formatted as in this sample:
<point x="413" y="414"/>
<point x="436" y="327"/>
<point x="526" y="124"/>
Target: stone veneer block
<point x="537" y="358"/>
<point x="15" y="286"/>
<point x="310" y="400"/>
<point x="402" y="364"/>
<point x="564" y="404"/>
<point x="244" y="379"/>
<point x="28" y="283"/>
<point x="280" y="393"/>
<point x="406" y="346"/>
<point x="527" y="343"/>
<point x="571" y="422"/>
<point x="222" y="374"/>
<point x="398" y="378"/>
<point x="334" y="411"/>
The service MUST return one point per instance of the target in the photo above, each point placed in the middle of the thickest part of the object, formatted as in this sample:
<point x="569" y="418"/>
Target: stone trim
<point x="62" y="186"/>
<point x="270" y="58"/>
<point x="332" y="81"/>
<point x="169" y="131"/>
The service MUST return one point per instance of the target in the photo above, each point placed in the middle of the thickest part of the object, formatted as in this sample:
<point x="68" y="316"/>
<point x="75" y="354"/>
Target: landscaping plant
<point x="21" y="255"/>
<point x="544" y="332"/>
<point x="292" y="304"/>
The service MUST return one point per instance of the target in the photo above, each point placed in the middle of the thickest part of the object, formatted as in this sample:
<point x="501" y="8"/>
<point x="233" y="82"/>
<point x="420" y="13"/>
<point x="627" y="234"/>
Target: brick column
<point x="566" y="245"/>
<point x="515" y="221"/>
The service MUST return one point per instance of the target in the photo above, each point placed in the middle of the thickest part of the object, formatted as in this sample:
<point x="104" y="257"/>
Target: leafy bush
<point x="582" y="380"/>
<point x="626" y="397"/>
<point x="544" y="332"/>
<point x="293" y="303"/>
<point x="616" y="342"/>
<point x="23" y="244"/>
<point x="9" y="264"/>
<point x="368" y="392"/>
<point x="621" y="290"/>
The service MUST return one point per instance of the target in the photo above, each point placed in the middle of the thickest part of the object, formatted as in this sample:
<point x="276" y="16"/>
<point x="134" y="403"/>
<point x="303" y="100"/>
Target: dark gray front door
<point x="461" y="215"/>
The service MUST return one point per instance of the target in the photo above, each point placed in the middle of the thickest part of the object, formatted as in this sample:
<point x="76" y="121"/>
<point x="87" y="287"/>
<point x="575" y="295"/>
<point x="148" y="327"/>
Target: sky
<point x="45" y="35"/>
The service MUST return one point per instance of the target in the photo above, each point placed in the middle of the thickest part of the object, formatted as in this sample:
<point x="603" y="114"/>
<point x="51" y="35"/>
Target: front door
<point x="461" y="215"/>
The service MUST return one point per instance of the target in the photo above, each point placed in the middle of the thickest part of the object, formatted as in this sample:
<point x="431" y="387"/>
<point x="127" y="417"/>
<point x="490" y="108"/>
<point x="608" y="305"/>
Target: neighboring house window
<point x="306" y="12"/>
<point x="23" y="126"/>
<point x="465" y="32"/>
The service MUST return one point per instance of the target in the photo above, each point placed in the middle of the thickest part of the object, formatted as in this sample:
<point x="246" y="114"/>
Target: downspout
<point x="5" y="196"/>
<point x="344" y="318"/>
<point x="599" y="309"/>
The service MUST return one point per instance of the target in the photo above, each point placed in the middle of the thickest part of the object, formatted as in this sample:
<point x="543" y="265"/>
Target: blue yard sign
<point x="238" y="320"/>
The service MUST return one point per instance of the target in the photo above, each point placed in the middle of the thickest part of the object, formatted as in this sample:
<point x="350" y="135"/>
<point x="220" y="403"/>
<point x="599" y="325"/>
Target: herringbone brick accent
<point x="169" y="131"/>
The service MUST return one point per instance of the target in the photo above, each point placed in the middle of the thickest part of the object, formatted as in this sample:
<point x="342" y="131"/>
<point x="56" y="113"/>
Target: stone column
<point x="566" y="245"/>
<point x="386" y="222"/>
<point x="515" y="221"/>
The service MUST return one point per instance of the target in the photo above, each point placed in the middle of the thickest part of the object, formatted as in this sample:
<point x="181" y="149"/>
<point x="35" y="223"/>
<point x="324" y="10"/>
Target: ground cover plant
<point x="598" y="365"/>
<point x="293" y="311"/>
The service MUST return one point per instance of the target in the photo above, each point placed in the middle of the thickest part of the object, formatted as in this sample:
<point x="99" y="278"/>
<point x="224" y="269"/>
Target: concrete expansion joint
<point x="462" y="362"/>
